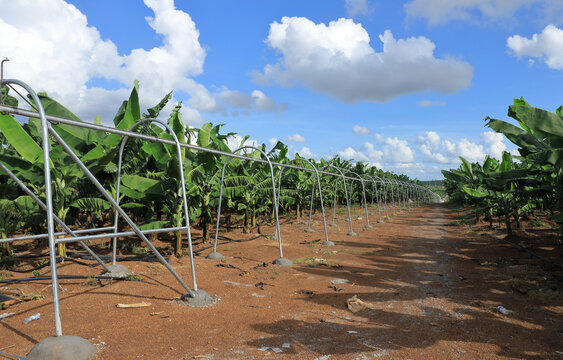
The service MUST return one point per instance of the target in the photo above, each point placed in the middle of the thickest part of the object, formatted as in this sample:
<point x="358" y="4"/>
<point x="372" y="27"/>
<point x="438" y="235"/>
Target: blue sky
<point x="403" y="85"/>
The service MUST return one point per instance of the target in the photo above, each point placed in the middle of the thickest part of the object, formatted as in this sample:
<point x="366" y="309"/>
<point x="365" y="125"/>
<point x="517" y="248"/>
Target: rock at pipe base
<point x="381" y="221"/>
<point x="214" y="256"/>
<point x="309" y="230"/>
<point x="65" y="347"/>
<point x="333" y="224"/>
<point x="117" y="271"/>
<point x="368" y="227"/>
<point x="351" y="233"/>
<point x="283" y="262"/>
<point x="198" y="298"/>
<point x="327" y="243"/>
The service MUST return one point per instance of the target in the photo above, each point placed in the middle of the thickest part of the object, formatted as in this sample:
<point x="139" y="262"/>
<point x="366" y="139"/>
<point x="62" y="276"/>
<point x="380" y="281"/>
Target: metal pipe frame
<point x="182" y="184"/>
<point x="48" y="205"/>
<point x="351" y="233"/>
<point x="48" y="199"/>
<point x="368" y="226"/>
<point x="312" y="194"/>
<point x="374" y="189"/>
<point x="278" y="233"/>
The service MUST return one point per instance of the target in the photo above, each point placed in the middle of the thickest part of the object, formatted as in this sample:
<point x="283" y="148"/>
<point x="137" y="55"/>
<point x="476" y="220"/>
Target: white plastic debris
<point x="32" y="318"/>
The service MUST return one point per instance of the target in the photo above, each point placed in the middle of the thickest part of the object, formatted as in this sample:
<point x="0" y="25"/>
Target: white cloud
<point x="338" y="60"/>
<point x="428" y="103"/>
<point x="396" y="151"/>
<point x="493" y="143"/>
<point x="350" y="154"/>
<point x="265" y="103"/>
<point x="388" y="151"/>
<point x="546" y="46"/>
<point x="441" y="151"/>
<point x="53" y="48"/>
<point x="296" y="138"/>
<point x="357" y="7"/>
<point x="235" y="141"/>
<point x="438" y="12"/>
<point x="272" y="141"/>
<point x="360" y="130"/>
<point x="256" y="100"/>
<point x="305" y="152"/>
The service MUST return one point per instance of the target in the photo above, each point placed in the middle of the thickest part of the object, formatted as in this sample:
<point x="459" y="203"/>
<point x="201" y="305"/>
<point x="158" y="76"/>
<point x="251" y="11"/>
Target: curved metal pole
<point x="334" y="203"/>
<point x="111" y="200"/>
<point x="368" y="226"/>
<point x="351" y="233"/>
<point x="327" y="242"/>
<point x="374" y="189"/>
<point x="392" y="197"/>
<point x="385" y="186"/>
<point x="48" y="200"/>
<point x="182" y="184"/>
<point x="281" y="260"/>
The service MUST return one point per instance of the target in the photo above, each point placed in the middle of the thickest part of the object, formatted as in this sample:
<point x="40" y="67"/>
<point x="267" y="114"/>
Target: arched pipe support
<point x="184" y="197"/>
<point x="51" y="345"/>
<point x="327" y="242"/>
<point x="367" y="226"/>
<point x="215" y="255"/>
<point x="351" y="232"/>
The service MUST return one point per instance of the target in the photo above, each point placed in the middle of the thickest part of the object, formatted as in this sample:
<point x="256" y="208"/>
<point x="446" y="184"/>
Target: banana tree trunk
<point x="246" y="228"/>
<point x="178" y="243"/>
<point x="508" y="224"/>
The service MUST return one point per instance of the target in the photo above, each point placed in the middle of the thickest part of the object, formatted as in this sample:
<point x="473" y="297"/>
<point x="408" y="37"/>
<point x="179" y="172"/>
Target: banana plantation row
<point x="150" y="186"/>
<point x="516" y="186"/>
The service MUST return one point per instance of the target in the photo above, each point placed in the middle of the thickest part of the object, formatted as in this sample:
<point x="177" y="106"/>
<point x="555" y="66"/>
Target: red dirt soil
<point x="432" y="288"/>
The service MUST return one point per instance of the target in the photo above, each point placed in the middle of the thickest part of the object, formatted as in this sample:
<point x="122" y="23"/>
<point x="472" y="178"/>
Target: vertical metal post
<point x="48" y="201"/>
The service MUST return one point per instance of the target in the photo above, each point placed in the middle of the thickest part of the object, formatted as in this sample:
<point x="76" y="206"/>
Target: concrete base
<point x="327" y="243"/>
<point x="360" y="218"/>
<point x="381" y="221"/>
<point x="198" y="298"/>
<point x="394" y="214"/>
<point x="62" y="348"/>
<point x="333" y="224"/>
<point x="351" y="233"/>
<point x="214" y="256"/>
<point x="274" y="237"/>
<point x="368" y="227"/>
<point x="117" y="271"/>
<point x="283" y="262"/>
<point x="309" y="230"/>
<point x="387" y="218"/>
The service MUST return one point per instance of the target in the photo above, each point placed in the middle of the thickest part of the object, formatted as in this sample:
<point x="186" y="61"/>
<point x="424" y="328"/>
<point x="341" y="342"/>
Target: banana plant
<point x="539" y="138"/>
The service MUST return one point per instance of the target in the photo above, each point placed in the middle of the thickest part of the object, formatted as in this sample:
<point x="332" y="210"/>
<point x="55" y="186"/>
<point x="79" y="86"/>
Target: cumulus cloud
<point x="296" y="138"/>
<point x="272" y="141"/>
<point x="444" y="151"/>
<point x="357" y="7"/>
<point x="256" y="100"/>
<point x="360" y="130"/>
<point x="305" y="152"/>
<point x="236" y="141"/>
<point x="428" y="103"/>
<point x="438" y="12"/>
<point x="53" y="48"/>
<point x="388" y="151"/>
<point x="338" y="60"/>
<point x="546" y="46"/>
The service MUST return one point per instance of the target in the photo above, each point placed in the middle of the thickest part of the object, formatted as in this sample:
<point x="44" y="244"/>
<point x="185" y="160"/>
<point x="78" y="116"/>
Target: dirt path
<point x="431" y="291"/>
